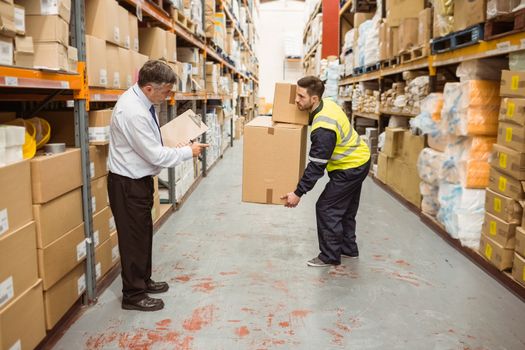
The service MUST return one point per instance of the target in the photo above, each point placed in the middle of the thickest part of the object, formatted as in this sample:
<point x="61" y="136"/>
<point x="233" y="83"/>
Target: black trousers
<point x="336" y="210"/>
<point x="131" y="201"/>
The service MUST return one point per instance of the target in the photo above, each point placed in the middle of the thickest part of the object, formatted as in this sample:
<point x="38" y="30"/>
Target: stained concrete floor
<point x="239" y="280"/>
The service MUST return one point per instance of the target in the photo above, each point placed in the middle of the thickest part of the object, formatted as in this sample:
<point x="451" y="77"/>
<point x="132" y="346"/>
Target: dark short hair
<point x="156" y="72"/>
<point x="313" y="85"/>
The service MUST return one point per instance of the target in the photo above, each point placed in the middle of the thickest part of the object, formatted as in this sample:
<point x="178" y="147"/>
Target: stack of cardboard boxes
<point x="22" y="324"/>
<point x="275" y="150"/>
<point x="192" y="65"/>
<point x="213" y="73"/>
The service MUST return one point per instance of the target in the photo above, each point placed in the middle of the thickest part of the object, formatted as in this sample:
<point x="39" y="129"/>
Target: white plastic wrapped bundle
<point x="461" y="211"/>
<point x="293" y="44"/>
<point x="517" y="61"/>
<point x="429" y="200"/>
<point x="451" y="96"/>
<point x="364" y="31"/>
<point x="371" y="53"/>
<point x="349" y="40"/>
<point x="429" y="164"/>
<point x="484" y="69"/>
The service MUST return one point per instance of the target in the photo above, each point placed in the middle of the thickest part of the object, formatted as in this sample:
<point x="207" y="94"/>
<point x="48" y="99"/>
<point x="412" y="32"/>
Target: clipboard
<point x="183" y="129"/>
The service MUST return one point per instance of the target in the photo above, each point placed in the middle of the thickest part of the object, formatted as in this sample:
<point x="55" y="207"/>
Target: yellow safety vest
<point x="350" y="150"/>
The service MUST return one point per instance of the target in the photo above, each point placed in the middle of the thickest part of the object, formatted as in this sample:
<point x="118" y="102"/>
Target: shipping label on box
<point x="508" y="161"/>
<point x="511" y="135"/>
<point x="512" y="84"/>
<point x="20" y="20"/>
<point x="512" y="110"/>
<point x="503" y="207"/>
<point x="495" y="253"/>
<point x="500" y="231"/>
<point x="284" y="108"/>
<point x="505" y="184"/>
<point x="6" y="51"/>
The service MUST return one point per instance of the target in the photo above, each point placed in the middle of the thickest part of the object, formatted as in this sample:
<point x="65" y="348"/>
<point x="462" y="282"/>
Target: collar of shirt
<point x="141" y="96"/>
<point x="317" y="110"/>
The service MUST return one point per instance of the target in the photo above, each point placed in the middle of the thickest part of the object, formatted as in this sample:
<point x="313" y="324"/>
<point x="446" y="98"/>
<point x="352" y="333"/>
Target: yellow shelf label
<point x="488" y="251"/>
<point x="508" y="135"/>
<point x="497" y="205"/>
<point x="502" y="183"/>
<point x="493" y="227"/>
<point x="515" y="82"/>
<point x="503" y="160"/>
<point x="511" y="107"/>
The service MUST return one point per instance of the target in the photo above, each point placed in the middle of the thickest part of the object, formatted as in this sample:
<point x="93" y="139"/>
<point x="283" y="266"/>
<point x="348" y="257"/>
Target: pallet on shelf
<point x="183" y="21"/>
<point x="457" y="40"/>
<point x="505" y="25"/>
<point x="391" y="62"/>
<point x="372" y="67"/>
<point x="414" y="54"/>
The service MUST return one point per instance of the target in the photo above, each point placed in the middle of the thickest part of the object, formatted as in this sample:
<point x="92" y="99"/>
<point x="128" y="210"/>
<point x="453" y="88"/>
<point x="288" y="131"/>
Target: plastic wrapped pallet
<point x="461" y="211"/>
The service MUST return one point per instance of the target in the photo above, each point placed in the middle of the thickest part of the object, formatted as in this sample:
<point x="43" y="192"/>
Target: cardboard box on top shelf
<point x="495" y="253"/>
<point x="103" y="259"/>
<point x="115" y="255"/>
<point x="511" y="135"/>
<point x="6" y="51"/>
<point x="96" y="63"/>
<point x="508" y="161"/>
<point x="99" y="122"/>
<point x="52" y="56"/>
<point x="48" y="29"/>
<point x="123" y="19"/>
<point x="101" y="226"/>
<point x="500" y="231"/>
<point x="113" y="66"/>
<point x="468" y="13"/>
<point x="7" y="19"/>
<point x="20" y="20"/>
<point x="19" y="263"/>
<point x="284" y="108"/>
<point x="393" y="142"/>
<point x="68" y="207"/>
<point x="133" y="31"/>
<point x="274" y="159"/>
<point x="99" y="194"/>
<point x="47" y="8"/>
<point x="126" y="72"/>
<point x="425" y="27"/>
<point x="64" y="294"/>
<point x="512" y="84"/>
<point x="408" y="34"/>
<point x="153" y="43"/>
<point x="61" y="256"/>
<point x="520" y="241"/>
<point x="506" y="185"/>
<point x="54" y="175"/>
<point x="102" y="20"/>
<point x="15" y="201"/>
<point x="72" y="59"/>
<point x="503" y="207"/>
<point x="397" y="10"/>
<point x="22" y="321"/>
<point x="512" y="110"/>
<point x="171" y="45"/>
<point x="518" y="269"/>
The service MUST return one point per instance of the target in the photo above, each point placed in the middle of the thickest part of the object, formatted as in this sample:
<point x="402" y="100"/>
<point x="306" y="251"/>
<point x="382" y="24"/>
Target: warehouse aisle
<point x="239" y="280"/>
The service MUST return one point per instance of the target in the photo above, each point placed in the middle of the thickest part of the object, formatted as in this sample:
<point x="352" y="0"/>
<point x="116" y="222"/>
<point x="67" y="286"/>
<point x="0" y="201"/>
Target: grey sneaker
<point x="349" y="256"/>
<point x="316" y="262"/>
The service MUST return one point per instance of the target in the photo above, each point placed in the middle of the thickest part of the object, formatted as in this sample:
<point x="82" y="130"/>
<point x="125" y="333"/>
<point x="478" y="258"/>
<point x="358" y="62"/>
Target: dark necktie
<point x="152" y="111"/>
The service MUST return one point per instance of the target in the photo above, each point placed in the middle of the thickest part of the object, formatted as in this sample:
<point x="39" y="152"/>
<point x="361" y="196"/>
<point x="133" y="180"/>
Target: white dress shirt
<point x="135" y="148"/>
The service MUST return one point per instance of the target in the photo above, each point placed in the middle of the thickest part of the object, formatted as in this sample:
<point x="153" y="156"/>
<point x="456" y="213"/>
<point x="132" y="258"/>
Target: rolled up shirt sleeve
<point x="321" y="150"/>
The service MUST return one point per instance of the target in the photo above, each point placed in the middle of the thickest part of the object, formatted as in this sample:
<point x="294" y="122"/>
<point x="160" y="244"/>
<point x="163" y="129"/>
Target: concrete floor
<point x="239" y="280"/>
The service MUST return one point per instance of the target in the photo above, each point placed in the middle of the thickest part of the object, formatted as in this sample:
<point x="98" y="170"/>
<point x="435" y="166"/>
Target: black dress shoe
<point x="146" y="304"/>
<point x="156" y="287"/>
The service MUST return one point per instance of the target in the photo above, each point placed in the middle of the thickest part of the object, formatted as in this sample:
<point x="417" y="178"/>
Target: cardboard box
<point x="512" y="110"/>
<point x="397" y="10"/>
<point x="113" y="66"/>
<point x="500" y="231"/>
<point x="99" y="122"/>
<point x="67" y="207"/>
<point x="382" y="167"/>
<point x="518" y="269"/>
<point x="99" y="194"/>
<point x="394" y="168"/>
<point x="512" y="84"/>
<point x="20" y="20"/>
<point x="511" y="135"/>
<point x="48" y="8"/>
<point x="103" y="20"/>
<point x="24" y="52"/>
<point x="7" y="19"/>
<point x="411" y="147"/>
<point x="274" y="159"/>
<point x="383" y="39"/>
<point x="72" y="59"/>
<point x="6" y="51"/>
<point x="48" y="29"/>
<point x="393" y="142"/>
<point x="115" y="254"/>
<point x="171" y="45"/>
<point x="410" y="182"/>
<point x="468" y="13"/>
<point x="15" y="201"/>
<point x="96" y="62"/>
<point x="103" y="259"/>
<point x="503" y="207"/>
<point x="133" y="32"/>
<point x="188" y="55"/>
<point x="506" y="185"/>
<point x="51" y="56"/>
<point x="495" y="253"/>
<point x="101" y="226"/>
<point x="126" y="72"/>
<point x="64" y="294"/>
<point x="19" y="263"/>
<point x="425" y="27"/>
<point x="123" y="18"/>
<point x="61" y="256"/>
<point x="22" y="321"/>
<point x="153" y="43"/>
<point x="408" y="34"/>
<point x="508" y="161"/>
<point x="520" y="241"/>
<point x="98" y="157"/>
<point x="54" y="175"/>
<point x="137" y="61"/>
<point x="284" y="108"/>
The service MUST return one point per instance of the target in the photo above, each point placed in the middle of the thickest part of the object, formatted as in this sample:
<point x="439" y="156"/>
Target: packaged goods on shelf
<point x="6" y="51"/>
<point x="133" y="32"/>
<point x="483" y="69"/>
<point x="468" y="13"/>
<point x="102" y="20"/>
<point x="153" y="43"/>
<point x="330" y="74"/>
<point x="209" y="17"/>
<point x="500" y="7"/>
<point x="59" y="7"/>
<point x="429" y="198"/>
<point x="292" y="44"/>
<point x="96" y="63"/>
<point x="12" y="140"/>
<point x="429" y="165"/>
<point x="443" y="17"/>
<point x="408" y="34"/>
<point x="7" y="19"/>
<point x="517" y="61"/>
<point x="52" y="56"/>
<point x="496" y="254"/>
<point x="397" y="10"/>
<point x="461" y="212"/>
<point x="368" y="42"/>
<point x="424" y="27"/>
<point x="502" y="232"/>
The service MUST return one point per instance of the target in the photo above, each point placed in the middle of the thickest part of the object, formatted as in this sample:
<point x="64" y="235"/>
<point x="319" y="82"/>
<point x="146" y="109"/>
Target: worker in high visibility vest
<point x="338" y="148"/>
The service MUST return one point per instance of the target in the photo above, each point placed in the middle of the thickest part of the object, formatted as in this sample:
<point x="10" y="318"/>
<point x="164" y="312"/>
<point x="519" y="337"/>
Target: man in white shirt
<point x="136" y="154"/>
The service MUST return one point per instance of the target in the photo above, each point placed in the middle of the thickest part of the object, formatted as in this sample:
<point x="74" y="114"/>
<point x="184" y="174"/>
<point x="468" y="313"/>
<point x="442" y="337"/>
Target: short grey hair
<point x="156" y="72"/>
